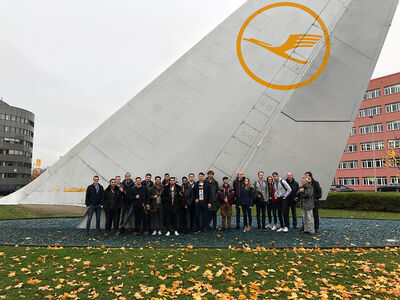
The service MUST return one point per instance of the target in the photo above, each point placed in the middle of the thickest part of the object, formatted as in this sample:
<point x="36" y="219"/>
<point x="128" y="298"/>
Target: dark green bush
<point x="369" y="201"/>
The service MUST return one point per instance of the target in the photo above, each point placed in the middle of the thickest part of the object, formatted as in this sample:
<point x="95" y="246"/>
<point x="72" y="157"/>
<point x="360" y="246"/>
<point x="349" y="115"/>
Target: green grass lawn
<point x="49" y="273"/>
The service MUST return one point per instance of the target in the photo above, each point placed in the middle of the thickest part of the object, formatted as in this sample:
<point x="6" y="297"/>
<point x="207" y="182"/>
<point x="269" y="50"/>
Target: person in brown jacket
<point x="226" y="197"/>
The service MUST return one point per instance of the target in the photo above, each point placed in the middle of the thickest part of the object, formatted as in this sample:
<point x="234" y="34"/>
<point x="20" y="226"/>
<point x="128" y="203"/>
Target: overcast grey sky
<point x="74" y="63"/>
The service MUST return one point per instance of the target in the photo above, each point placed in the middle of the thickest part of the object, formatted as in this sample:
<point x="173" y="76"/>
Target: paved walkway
<point x="333" y="233"/>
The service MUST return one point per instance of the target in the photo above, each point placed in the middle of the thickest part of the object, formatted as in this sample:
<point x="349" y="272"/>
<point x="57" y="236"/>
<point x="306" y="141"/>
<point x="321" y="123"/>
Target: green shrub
<point x="367" y="201"/>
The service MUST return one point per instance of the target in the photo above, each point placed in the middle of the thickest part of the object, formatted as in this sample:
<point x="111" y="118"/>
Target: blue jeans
<point x="201" y="208"/>
<point x="128" y="215"/>
<point x="93" y="209"/>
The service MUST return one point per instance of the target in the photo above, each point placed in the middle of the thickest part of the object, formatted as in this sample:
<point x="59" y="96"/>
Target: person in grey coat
<point x="306" y="197"/>
<point x="261" y="199"/>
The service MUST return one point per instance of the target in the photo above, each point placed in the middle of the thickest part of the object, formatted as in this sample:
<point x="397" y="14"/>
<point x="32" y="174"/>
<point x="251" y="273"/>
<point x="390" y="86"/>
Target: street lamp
<point x="373" y="151"/>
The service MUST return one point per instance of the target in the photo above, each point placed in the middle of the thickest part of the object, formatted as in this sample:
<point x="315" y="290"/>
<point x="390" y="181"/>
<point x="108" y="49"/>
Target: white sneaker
<point x="176" y="232"/>
<point x="273" y="227"/>
<point x="155" y="232"/>
<point x="285" y="229"/>
<point x="159" y="232"/>
<point x="167" y="234"/>
<point x="269" y="226"/>
<point x="280" y="230"/>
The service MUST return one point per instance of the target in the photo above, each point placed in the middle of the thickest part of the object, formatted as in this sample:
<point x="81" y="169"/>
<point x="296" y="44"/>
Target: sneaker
<point x="106" y="234"/>
<point x="269" y="226"/>
<point x="285" y="229"/>
<point x="273" y="227"/>
<point x="280" y="230"/>
<point x="159" y="232"/>
<point x="176" y="233"/>
<point x="167" y="234"/>
<point x="248" y="228"/>
<point x="116" y="234"/>
<point x="154" y="232"/>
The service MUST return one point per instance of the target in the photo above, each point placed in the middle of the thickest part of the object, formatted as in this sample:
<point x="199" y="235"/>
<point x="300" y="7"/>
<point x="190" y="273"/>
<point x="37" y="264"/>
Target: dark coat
<point x="112" y="199"/>
<point x="186" y="195"/>
<point x="238" y="187"/>
<point x="206" y="191"/>
<point x="153" y="201"/>
<point x="143" y="193"/>
<point x="166" y="198"/>
<point x="149" y="186"/>
<point x="213" y="194"/>
<point x="127" y="185"/>
<point x="317" y="189"/>
<point x="230" y="195"/>
<point x="247" y="197"/>
<point x="295" y="187"/>
<point x="93" y="197"/>
<point x="306" y="197"/>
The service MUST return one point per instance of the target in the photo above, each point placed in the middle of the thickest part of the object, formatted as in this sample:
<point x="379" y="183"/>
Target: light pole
<point x="373" y="151"/>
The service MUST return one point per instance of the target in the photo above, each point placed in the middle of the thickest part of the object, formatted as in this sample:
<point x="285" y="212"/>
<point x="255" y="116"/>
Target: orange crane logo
<point x="294" y="41"/>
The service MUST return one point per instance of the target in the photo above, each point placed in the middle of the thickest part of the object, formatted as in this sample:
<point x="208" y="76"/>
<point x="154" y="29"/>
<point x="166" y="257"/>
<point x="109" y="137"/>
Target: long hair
<point x="247" y="186"/>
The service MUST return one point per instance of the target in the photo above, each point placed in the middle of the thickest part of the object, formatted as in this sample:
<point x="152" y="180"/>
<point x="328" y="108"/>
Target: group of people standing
<point x="163" y="206"/>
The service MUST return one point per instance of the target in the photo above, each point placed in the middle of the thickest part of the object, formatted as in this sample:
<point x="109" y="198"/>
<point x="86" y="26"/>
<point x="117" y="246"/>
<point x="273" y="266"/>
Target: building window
<point x="369" y="163"/>
<point x="369" y="112"/>
<point x="394" y="179"/>
<point x="372" y="94"/>
<point x="373" y="128"/>
<point x="393" y="144"/>
<point x="352" y="164"/>
<point x="379" y="145"/>
<point x="395" y="125"/>
<point x="350" y="148"/>
<point x="353" y="131"/>
<point x="353" y="181"/>
<point x="392" y="89"/>
<point x="367" y="181"/>
<point x="392" y="107"/>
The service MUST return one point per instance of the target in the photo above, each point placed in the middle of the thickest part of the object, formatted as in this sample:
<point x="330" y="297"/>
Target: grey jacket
<point x="306" y="197"/>
<point x="261" y="187"/>
<point x="281" y="189"/>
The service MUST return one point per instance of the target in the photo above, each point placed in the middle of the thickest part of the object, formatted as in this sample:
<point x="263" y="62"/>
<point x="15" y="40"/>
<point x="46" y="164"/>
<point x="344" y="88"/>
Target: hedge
<point x="367" y="201"/>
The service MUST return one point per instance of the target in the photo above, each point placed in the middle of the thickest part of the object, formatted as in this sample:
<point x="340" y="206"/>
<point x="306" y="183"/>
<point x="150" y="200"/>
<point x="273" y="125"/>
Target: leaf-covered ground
<point x="244" y="273"/>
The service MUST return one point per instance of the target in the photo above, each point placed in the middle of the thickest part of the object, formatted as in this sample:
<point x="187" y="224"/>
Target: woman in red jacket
<point x="271" y="204"/>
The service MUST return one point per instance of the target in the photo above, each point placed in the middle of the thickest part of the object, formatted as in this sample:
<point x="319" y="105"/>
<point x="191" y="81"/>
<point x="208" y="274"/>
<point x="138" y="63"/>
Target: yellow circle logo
<point x="286" y="52"/>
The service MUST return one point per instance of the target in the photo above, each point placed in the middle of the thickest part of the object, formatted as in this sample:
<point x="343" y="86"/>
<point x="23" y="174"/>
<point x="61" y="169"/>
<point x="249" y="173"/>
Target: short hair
<point x="127" y="173"/>
<point x="184" y="177"/>
<point x="95" y="176"/>
<point x="173" y="178"/>
<point x="138" y="178"/>
<point x="225" y="178"/>
<point x="275" y="173"/>
<point x="308" y="173"/>
<point x="148" y="174"/>
<point x="201" y="173"/>
<point x="210" y="172"/>
<point x="191" y="174"/>
<point x="166" y="174"/>
<point x="157" y="177"/>
<point x="117" y="177"/>
<point x="240" y="172"/>
<point x="112" y="179"/>
<point x="260" y="172"/>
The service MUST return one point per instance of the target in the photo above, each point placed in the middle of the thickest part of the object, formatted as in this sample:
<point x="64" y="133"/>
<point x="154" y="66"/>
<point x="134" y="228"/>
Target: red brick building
<point x="376" y="129"/>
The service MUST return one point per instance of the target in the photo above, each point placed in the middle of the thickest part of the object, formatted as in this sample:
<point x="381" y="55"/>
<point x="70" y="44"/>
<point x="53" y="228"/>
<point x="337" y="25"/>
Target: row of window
<point x="16" y="152"/>
<point x="15" y="164"/>
<point x="388" y="90"/>
<point x="14" y="175"/>
<point x="16" y="130"/>
<point x="370" y="146"/>
<point x="15" y="141"/>
<point x="367" y="181"/>
<point x="365" y="164"/>
<point x="375" y="128"/>
<point x="377" y="110"/>
<point x="16" y="119"/>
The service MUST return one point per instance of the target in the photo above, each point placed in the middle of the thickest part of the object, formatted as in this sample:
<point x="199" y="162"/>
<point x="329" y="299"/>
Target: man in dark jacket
<point x="192" y="206"/>
<point x="201" y="195"/>
<point x="238" y="187"/>
<point x="156" y="206"/>
<point x="94" y="195"/>
<point x="292" y="197"/>
<point x="317" y="195"/>
<point x="148" y="182"/>
<point x="170" y="199"/>
<point x="126" y="184"/>
<point x="212" y="199"/>
<point x="140" y="204"/>
<point x="227" y="197"/>
<point x="111" y="201"/>
<point x="186" y="199"/>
